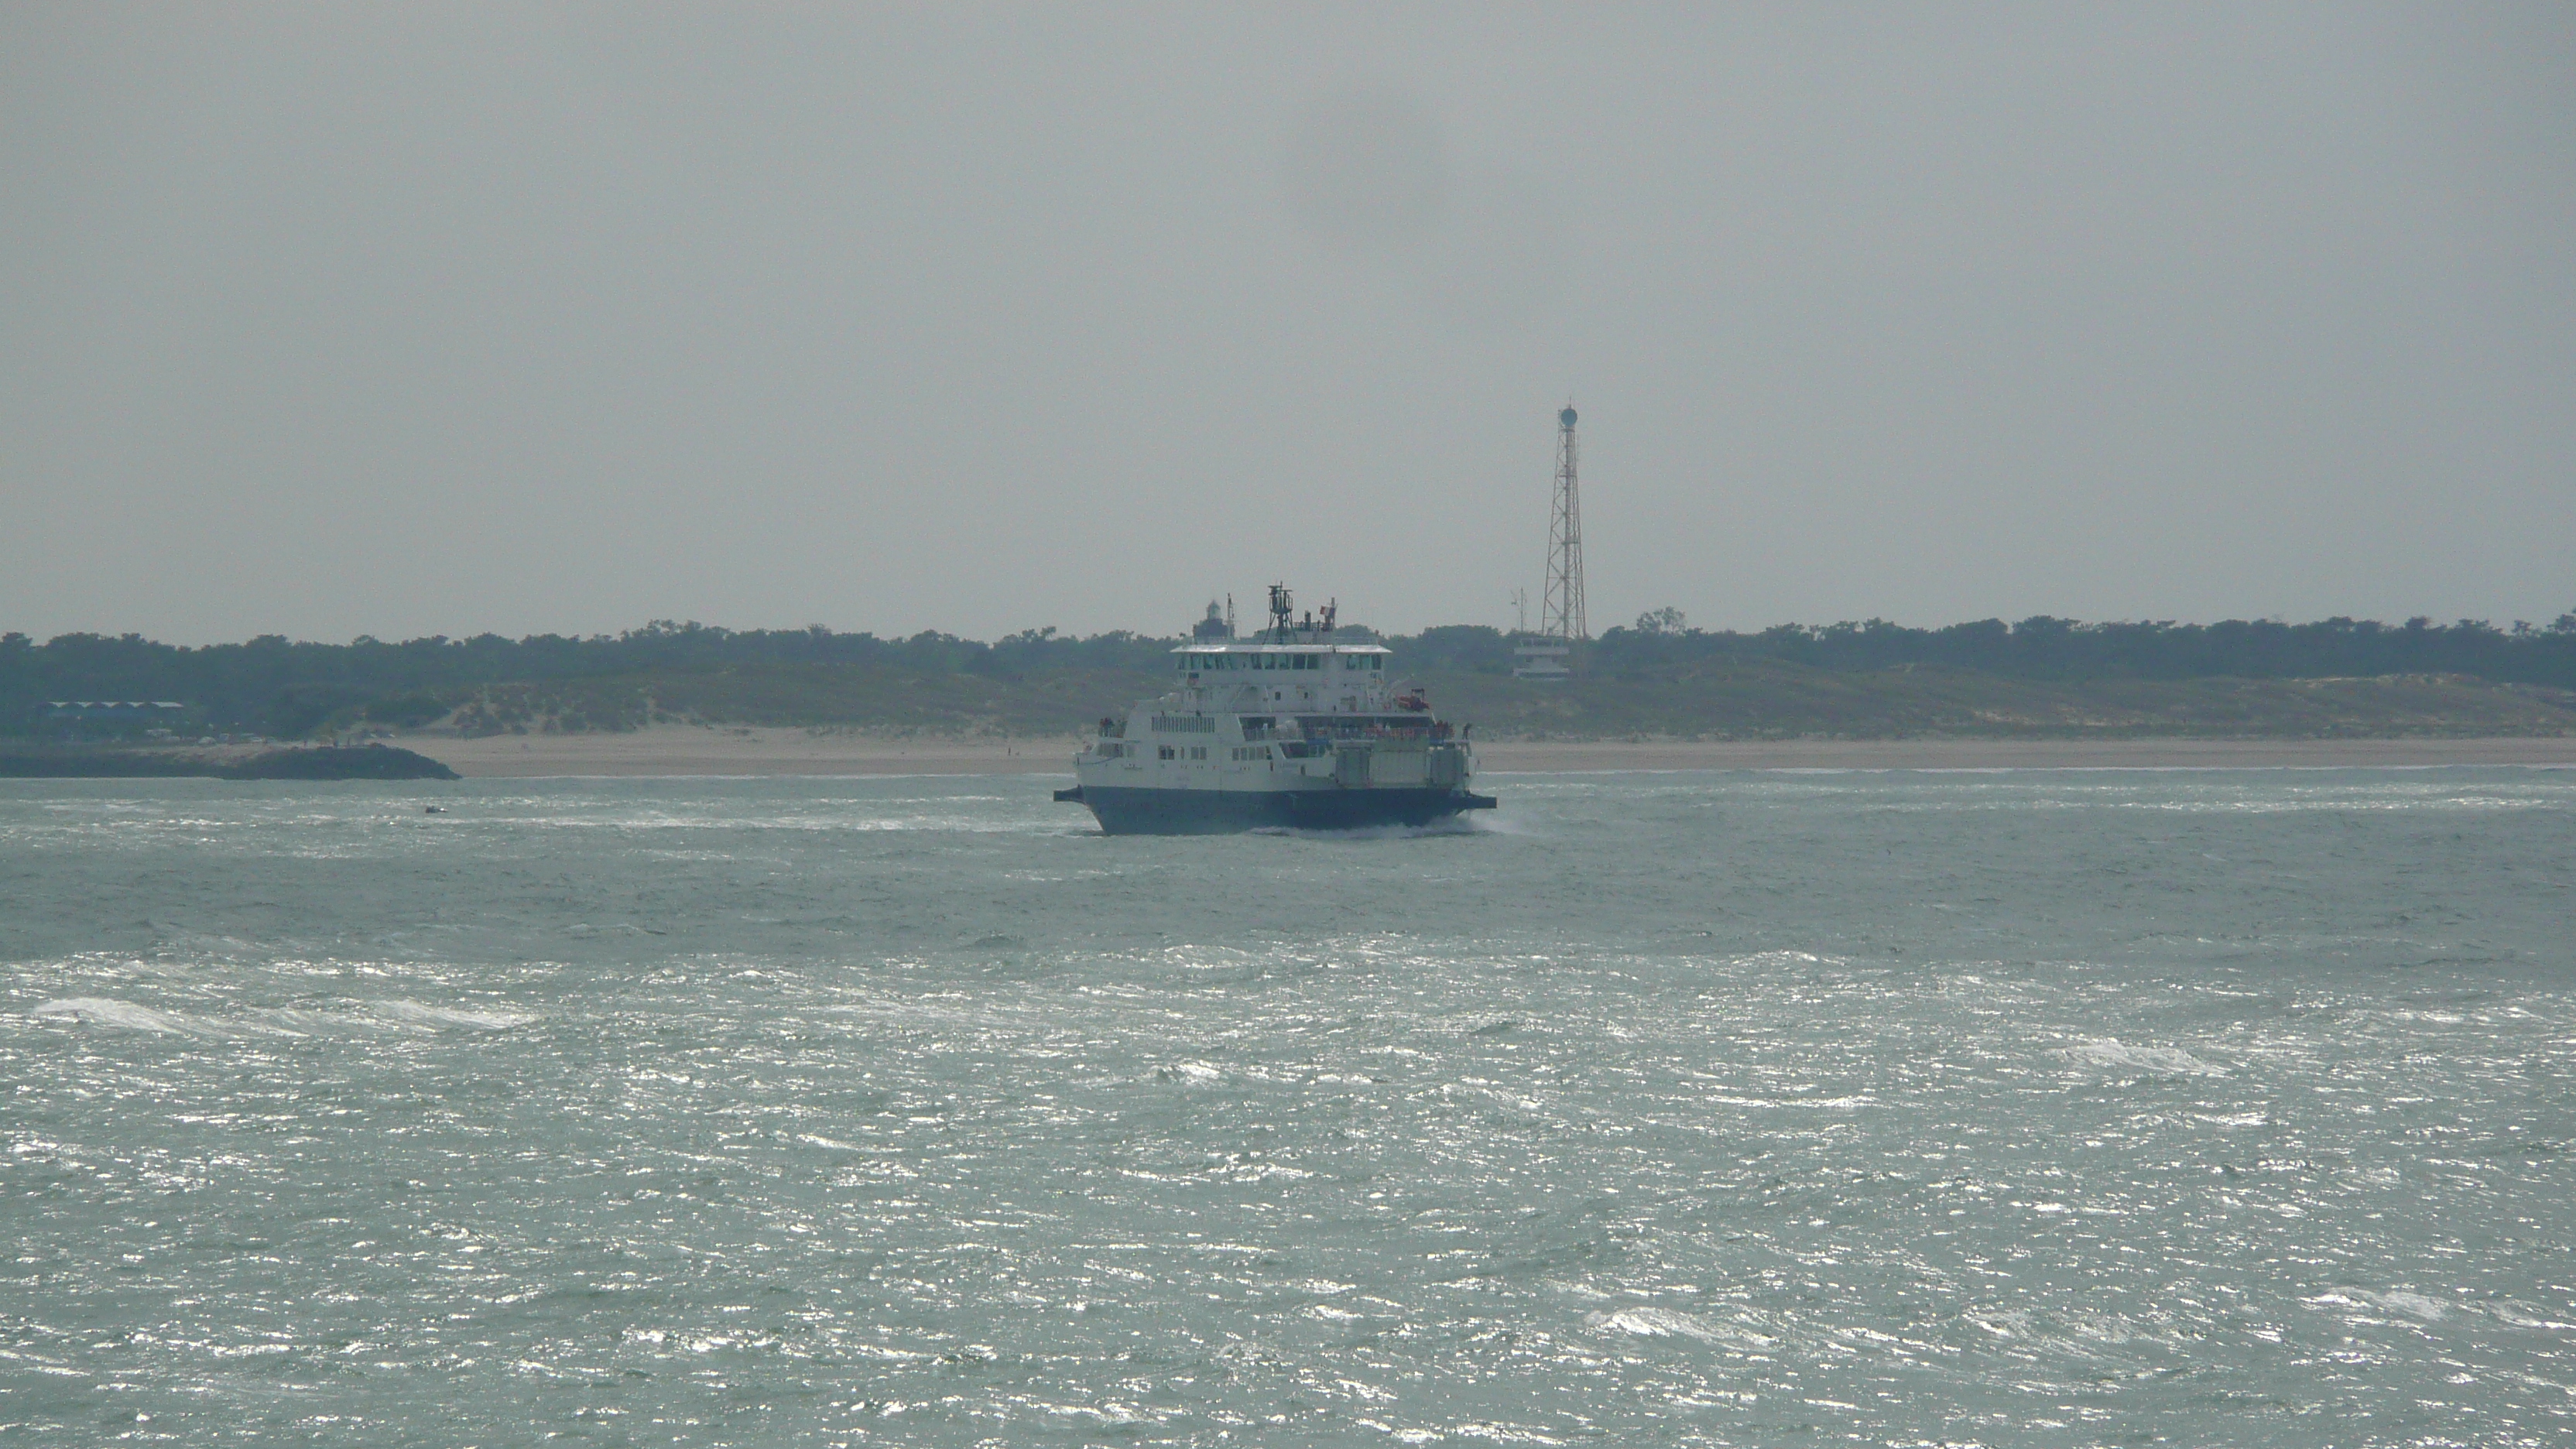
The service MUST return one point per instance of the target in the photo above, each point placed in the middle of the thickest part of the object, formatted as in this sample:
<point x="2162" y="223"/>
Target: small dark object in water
<point x="433" y="810"/>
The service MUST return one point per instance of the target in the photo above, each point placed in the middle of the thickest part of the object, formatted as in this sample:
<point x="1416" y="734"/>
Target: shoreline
<point x="688" y="750"/>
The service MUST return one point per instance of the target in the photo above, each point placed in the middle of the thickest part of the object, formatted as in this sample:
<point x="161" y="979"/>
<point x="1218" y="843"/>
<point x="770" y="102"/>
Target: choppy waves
<point x="1684" y="1110"/>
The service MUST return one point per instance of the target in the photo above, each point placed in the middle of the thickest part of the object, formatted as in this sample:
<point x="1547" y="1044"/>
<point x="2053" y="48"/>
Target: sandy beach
<point x="697" y="751"/>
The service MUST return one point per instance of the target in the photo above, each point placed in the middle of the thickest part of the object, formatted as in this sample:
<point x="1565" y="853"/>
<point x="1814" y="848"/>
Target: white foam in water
<point x="2413" y="1305"/>
<point x="99" y="1011"/>
<point x="1665" y="1323"/>
<point x="1361" y="834"/>
<point x="2168" y="1060"/>
<point x="413" y="1013"/>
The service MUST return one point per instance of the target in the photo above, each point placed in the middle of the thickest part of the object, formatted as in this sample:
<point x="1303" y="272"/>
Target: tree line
<point x="290" y="688"/>
<point x="2046" y="648"/>
<point x="272" y="685"/>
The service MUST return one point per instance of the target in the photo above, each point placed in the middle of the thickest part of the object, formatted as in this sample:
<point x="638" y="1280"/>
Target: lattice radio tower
<point x="1560" y="613"/>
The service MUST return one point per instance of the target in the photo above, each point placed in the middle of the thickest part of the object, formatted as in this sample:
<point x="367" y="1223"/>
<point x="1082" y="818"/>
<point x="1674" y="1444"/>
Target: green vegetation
<point x="1771" y="700"/>
<point x="2042" y="677"/>
<point x="1030" y="683"/>
<point x="1660" y="678"/>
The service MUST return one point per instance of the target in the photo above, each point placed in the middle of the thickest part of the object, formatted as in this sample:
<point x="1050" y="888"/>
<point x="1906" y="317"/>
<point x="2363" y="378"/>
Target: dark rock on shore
<point x="374" y="762"/>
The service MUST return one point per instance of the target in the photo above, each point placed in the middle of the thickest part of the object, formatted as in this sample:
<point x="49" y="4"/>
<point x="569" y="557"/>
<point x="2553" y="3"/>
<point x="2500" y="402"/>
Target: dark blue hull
<point x="1128" y="810"/>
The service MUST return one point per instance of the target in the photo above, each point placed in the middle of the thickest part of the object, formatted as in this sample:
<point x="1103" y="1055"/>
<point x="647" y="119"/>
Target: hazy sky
<point x="407" y="319"/>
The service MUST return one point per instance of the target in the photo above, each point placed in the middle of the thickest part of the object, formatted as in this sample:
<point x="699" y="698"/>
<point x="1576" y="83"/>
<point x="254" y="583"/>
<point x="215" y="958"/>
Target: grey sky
<point x="412" y="319"/>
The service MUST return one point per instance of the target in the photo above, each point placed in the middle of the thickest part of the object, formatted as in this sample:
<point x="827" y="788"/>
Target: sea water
<point x="2052" y="1107"/>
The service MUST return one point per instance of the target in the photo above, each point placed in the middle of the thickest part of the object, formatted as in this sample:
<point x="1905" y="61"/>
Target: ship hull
<point x="1133" y="810"/>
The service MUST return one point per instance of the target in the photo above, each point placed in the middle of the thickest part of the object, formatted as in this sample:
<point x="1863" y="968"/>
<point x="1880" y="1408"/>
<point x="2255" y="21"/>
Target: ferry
<point x="1288" y="728"/>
